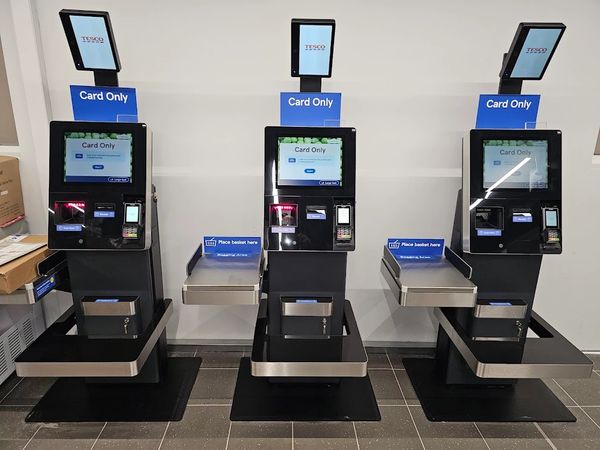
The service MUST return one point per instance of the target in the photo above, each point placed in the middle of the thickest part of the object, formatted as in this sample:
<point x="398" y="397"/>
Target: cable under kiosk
<point x="109" y="350"/>
<point x="492" y="348"/>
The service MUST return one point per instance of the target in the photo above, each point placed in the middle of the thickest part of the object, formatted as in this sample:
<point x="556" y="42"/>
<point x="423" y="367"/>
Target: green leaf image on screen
<point x="92" y="135"/>
<point x="308" y="140"/>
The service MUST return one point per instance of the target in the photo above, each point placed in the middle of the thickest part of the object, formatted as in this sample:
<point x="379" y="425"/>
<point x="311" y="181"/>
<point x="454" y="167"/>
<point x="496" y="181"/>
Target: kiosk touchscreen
<point x="308" y="361"/>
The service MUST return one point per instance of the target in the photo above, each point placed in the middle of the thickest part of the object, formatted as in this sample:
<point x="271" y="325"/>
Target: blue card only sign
<point x="232" y="245"/>
<point x="507" y="111"/>
<point x="310" y="109"/>
<point x="416" y="248"/>
<point x="104" y="104"/>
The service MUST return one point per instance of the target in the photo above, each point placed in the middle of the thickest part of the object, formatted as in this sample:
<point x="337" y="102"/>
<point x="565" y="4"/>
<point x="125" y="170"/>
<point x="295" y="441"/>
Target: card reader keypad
<point x="130" y="231"/>
<point x="344" y="233"/>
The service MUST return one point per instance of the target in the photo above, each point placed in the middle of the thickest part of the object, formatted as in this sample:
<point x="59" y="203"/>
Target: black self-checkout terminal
<point x="308" y="361"/>
<point x="492" y="348"/>
<point x="109" y="350"/>
<point x="490" y="359"/>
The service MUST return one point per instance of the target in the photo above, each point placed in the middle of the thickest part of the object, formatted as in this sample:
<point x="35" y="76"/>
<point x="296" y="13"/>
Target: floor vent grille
<point x="28" y="335"/>
<point x="14" y="344"/>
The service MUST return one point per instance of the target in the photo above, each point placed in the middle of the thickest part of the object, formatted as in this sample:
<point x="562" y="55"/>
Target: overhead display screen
<point x="536" y="51"/>
<point x="309" y="161"/>
<point x="91" y="34"/>
<point x="98" y="157"/>
<point x="515" y="164"/>
<point x="315" y="49"/>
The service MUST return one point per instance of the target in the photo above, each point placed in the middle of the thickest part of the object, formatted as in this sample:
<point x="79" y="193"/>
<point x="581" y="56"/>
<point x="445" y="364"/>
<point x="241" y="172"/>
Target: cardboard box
<point x="16" y="273"/>
<point x="11" y="195"/>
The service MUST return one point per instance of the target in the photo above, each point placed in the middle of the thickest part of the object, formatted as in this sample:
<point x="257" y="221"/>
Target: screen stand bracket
<point x="106" y="78"/>
<point x="509" y="85"/>
<point x="310" y="84"/>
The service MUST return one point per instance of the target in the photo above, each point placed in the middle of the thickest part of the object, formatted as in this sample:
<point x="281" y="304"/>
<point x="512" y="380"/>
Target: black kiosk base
<point x="528" y="400"/>
<point x="75" y="400"/>
<point x="258" y="399"/>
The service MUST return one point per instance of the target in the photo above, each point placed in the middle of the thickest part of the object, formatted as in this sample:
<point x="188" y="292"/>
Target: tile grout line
<point x="13" y="388"/>
<point x="576" y="404"/>
<point x="405" y="402"/>
<point x="550" y="443"/>
<point x="31" y="438"/>
<point x="98" y="437"/>
<point x="356" y="435"/>
<point x="481" y="434"/>
<point x="164" y="435"/>
<point x="213" y="405"/>
<point x="228" y="435"/>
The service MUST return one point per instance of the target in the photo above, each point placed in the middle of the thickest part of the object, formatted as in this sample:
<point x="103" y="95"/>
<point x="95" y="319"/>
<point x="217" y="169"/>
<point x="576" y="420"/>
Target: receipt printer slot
<point x="306" y="307"/>
<point x="110" y="306"/>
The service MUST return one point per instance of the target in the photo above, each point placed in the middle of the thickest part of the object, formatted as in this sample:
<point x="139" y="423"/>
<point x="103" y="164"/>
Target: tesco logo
<point x="315" y="47"/>
<point x="92" y="39"/>
<point x="536" y="50"/>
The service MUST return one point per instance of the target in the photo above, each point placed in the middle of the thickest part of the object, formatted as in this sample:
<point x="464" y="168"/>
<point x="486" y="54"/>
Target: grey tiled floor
<point x="206" y="422"/>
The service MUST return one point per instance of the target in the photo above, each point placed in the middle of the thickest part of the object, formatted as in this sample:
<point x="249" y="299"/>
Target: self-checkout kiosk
<point x="108" y="350"/>
<point x="308" y="361"/>
<point x="492" y="348"/>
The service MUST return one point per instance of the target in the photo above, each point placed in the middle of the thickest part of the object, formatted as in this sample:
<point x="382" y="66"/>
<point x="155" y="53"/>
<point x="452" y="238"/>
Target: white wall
<point x="208" y="75"/>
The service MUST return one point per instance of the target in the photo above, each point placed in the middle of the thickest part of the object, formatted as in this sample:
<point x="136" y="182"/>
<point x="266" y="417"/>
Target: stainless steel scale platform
<point x="218" y="280"/>
<point x="436" y="282"/>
